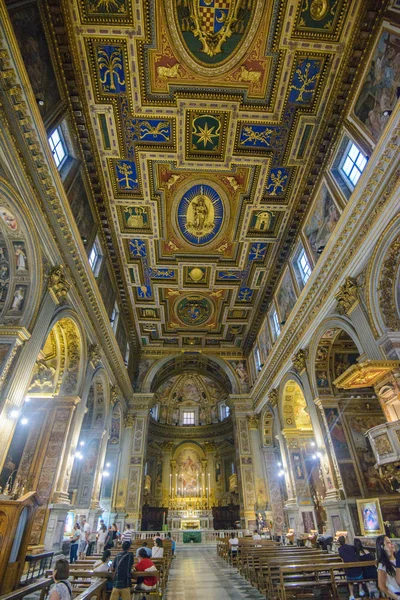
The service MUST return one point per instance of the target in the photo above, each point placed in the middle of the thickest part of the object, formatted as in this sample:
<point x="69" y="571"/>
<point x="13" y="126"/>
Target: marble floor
<point x="197" y="573"/>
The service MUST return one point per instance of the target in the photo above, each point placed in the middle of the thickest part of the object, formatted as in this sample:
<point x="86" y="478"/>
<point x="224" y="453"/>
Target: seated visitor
<point x="233" y="544"/>
<point x="364" y="555"/>
<point x="157" y="550"/>
<point x="256" y="535"/>
<point x="61" y="589"/>
<point x="348" y="555"/>
<point x="387" y="562"/>
<point x="173" y="543"/>
<point x="122" y="567"/>
<point x="144" y="546"/>
<point x="325" y="540"/>
<point x="156" y="536"/>
<point x="145" y="564"/>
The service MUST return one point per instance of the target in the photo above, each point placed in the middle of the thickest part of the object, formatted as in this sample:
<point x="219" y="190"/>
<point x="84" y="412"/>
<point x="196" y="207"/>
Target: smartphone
<point x="110" y="562"/>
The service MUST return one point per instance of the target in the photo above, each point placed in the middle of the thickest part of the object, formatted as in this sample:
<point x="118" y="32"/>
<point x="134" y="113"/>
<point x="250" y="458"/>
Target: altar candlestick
<point x="170" y="484"/>
<point x="176" y="484"/>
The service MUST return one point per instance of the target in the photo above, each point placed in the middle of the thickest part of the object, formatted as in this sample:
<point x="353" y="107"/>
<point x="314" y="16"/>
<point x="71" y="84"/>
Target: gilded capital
<point x="273" y="396"/>
<point x="253" y="421"/>
<point x="299" y="360"/>
<point x="347" y="296"/>
<point x="57" y="284"/>
<point x="129" y="420"/>
<point x="94" y="353"/>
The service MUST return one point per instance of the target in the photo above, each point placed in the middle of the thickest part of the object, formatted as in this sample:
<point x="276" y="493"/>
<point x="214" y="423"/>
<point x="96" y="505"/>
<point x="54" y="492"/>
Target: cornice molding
<point x="16" y="90"/>
<point x="363" y="215"/>
<point x="160" y="430"/>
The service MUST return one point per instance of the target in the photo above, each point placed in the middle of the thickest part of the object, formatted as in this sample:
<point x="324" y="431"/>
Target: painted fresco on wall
<point x="379" y="91"/>
<point x="35" y="53"/>
<point x="144" y="366"/>
<point x="8" y="218"/>
<point x="342" y="361"/>
<point x="121" y="337"/>
<point x="298" y="465"/>
<point x="188" y="468"/>
<point x="21" y="261"/>
<point x="89" y="466"/>
<point x="240" y="368"/>
<point x="358" y="427"/>
<point x="81" y="210"/>
<point x="286" y="297"/>
<point x="321" y="221"/>
<point x="308" y="521"/>
<point x="106" y="290"/>
<point x="4" y="350"/>
<point x="4" y="271"/>
<point x="349" y="479"/>
<point x="337" y="432"/>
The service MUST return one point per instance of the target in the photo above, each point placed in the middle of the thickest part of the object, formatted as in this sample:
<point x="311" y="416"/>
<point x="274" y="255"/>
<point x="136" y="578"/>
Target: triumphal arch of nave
<point x="200" y="264"/>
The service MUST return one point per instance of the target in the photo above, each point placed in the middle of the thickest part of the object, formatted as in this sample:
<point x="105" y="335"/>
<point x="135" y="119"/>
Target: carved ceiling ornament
<point x="347" y="295"/>
<point x="273" y="397"/>
<point x="94" y="353"/>
<point x="114" y="394"/>
<point x="387" y="286"/>
<point x="57" y="284"/>
<point x="299" y="360"/>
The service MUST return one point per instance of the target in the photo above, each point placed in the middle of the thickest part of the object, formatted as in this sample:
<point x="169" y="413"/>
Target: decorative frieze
<point x="347" y="296"/>
<point x="273" y="397"/>
<point x="299" y="360"/>
<point x="57" y="284"/>
<point x="94" y="353"/>
<point x="387" y="289"/>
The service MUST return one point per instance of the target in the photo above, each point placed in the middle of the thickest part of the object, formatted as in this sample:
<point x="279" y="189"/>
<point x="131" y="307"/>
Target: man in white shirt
<point x="84" y="538"/>
<point x="233" y="545"/>
<point x="256" y="535"/>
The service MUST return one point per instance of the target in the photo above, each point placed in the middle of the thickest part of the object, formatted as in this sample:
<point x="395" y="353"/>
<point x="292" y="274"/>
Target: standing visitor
<point x="386" y="561"/>
<point x="101" y="539"/>
<point x="73" y="554"/>
<point x="115" y="534"/>
<point x="233" y="545"/>
<point x="127" y="535"/>
<point x="109" y="539"/>
<point x="122" y="568"/>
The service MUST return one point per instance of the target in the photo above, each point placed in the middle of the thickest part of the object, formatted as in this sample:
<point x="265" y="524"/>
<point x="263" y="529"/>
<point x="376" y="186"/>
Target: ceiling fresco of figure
<point x="205" y="116"/>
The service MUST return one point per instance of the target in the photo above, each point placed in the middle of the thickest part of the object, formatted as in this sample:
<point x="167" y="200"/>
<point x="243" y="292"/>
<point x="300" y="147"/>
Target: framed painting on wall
<point x="369" y="513"/>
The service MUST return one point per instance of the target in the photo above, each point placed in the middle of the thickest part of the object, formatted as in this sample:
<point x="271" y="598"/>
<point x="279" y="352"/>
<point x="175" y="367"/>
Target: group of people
<point x="120" y="568"/>
<point x="388" y="567"/>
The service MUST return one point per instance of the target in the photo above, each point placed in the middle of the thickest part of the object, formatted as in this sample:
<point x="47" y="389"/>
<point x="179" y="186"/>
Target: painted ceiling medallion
<point x="194" y="310"/>
<point x="212" y="32"/>
<point x="200" y="214"/>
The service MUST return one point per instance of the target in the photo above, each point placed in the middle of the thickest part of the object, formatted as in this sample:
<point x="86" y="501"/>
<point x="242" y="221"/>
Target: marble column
<point x="274" y="488"/>
<point x="246" y="483"/>
<point x="167" y="481"/>
<point x="259" y="476"/>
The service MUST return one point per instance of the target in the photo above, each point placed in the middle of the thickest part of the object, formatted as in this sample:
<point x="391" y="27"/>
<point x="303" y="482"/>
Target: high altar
<point x="190" y="513"/>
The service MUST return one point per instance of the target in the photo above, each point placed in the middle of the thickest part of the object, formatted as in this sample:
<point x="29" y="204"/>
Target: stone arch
<point x="211" y="366"/>
<point x="293" y="406"/>
<point x="383" y="281"/>
<point x="322" y="353"/>
<point x="21" y="270"/>
<point x="60" y="367"/>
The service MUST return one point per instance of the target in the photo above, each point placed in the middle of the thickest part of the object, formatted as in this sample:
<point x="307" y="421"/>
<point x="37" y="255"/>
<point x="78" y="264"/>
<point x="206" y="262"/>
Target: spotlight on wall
<point x="312" y="444"/>
<point x="108" y="465"/>
<point x="81" y="443"/>
<point x="320" y="249"/>
<point x="78" y="455"/>
<point x="27" y="398"/>
<point x="106" y="474"/>
<point x="281" y="473"/>
<point x="24" y="421"/>
<point x="387" y="113"/>
<point x="319" y="454"/>
<point x="14" y="414"/>
<point x="279" y="464"/>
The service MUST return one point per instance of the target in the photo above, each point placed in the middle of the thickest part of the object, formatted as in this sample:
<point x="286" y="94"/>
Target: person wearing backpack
<point x="61" y="590"/>
<point x="122" y="569"/>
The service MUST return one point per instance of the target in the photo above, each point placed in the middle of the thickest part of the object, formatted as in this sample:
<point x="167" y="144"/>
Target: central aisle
<point x="197" y="573"/>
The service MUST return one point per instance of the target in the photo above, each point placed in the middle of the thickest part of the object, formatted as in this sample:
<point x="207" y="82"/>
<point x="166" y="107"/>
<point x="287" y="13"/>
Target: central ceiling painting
<point x="204" y="114"/>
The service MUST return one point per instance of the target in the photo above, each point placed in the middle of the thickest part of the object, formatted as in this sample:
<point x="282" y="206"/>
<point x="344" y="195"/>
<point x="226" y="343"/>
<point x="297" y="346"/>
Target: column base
<point x="55" y="527"/>
<point x="338" y="518"/>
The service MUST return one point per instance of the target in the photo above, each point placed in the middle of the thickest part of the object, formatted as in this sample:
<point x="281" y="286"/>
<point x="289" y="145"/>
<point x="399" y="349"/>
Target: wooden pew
<point x="301" y="580"/>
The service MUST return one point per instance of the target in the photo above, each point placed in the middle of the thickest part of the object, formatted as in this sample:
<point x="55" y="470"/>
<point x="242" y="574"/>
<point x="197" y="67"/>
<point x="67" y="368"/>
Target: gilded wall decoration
<point x="206" y="134"/>
<point x="97" y="12"/>
<point x="378" y="93"/>
<point x="134" y="486"/>
<point x="243" y="433"/>
<point x="194" y="310"/>
<point x="134" y="218"/>
<point x="389" y="287"/>
<point x="323" y="18"/>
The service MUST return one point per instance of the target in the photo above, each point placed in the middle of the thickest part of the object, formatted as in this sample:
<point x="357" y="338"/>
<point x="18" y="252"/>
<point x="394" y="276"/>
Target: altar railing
<point x="207" y="537"/>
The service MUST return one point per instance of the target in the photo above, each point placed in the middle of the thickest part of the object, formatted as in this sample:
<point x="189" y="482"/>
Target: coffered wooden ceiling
<point x="205" y="125"/>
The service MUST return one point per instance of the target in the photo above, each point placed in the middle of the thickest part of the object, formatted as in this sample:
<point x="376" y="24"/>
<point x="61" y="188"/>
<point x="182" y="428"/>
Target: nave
<point x="197" y="573"/>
